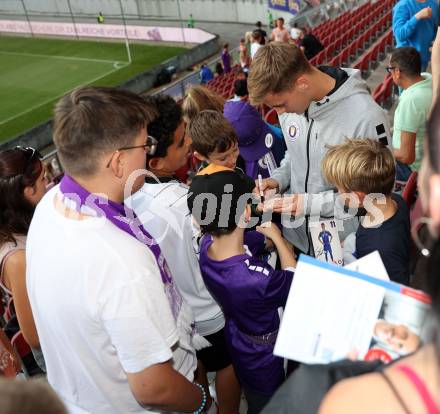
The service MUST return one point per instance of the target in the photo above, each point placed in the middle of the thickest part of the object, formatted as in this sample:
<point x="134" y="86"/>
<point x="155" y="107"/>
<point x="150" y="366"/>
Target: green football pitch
<point x="35" y="73"/>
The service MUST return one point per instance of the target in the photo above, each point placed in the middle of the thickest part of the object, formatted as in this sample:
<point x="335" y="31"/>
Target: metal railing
<point x="178" y="89"/>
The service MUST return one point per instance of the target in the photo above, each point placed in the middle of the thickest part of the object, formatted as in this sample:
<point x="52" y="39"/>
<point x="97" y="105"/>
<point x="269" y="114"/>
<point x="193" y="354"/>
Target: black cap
<point x="217" y="197"/>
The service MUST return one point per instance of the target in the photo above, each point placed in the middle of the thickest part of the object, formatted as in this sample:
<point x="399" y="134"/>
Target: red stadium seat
<point x="388" y="89"/>
<point x="383" y="93"/>
<point x="363" y="64"/>
<point x="345" y="57"/>
<point x="272" y="117"/>
<point x="339" y="44"/>
<point x="352" y="50"/>
<point x="410" y="190"/>
<point x="336" y="61"/>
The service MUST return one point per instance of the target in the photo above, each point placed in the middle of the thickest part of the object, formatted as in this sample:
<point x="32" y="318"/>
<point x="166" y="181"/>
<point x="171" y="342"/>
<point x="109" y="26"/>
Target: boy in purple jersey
<point x="248" y="289"/>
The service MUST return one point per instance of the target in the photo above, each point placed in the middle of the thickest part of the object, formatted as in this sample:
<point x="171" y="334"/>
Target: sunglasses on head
<point x="31" y="152"/>
<point x="31" y="155"/>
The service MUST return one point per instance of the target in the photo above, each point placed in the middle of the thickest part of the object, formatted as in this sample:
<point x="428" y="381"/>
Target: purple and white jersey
<point x="250" y="292"/>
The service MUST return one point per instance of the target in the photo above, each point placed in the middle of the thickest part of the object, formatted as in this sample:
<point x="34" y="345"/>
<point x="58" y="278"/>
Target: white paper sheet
<point x="330" y="312"/>
<point x="370" y="265"/>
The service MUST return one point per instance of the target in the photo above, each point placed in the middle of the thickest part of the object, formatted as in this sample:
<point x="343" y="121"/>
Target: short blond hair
<point x="274" y="69"/>
<point x="199" y="98"/>
<point x="364" y="165"/>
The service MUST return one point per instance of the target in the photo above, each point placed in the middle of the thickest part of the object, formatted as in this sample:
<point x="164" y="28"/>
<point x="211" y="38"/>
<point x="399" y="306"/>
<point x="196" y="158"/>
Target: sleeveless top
<point x="420" y="386"/>
<point x="6" y="250"/>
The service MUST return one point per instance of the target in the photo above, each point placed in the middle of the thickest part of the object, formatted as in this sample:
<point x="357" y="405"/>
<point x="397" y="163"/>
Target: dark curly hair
<point x="19" y="168"/>
<point x="165" y="123"/>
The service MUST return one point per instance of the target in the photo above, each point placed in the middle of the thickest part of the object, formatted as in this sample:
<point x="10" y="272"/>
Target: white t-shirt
<point x="281" y="35"/>
<point x="294" y="33"/>
<point x="100" y="309"/>
<point x="163" y="210"/>
<point x="254" y="48"/>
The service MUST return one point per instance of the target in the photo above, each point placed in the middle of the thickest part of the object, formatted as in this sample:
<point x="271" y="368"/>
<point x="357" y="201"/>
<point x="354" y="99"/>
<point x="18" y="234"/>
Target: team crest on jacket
<point x="268" y="140"/>
<point x="293" y="131"/>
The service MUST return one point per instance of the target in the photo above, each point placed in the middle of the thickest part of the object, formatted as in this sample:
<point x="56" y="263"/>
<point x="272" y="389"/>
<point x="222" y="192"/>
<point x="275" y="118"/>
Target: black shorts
<point x="215" y="357"/>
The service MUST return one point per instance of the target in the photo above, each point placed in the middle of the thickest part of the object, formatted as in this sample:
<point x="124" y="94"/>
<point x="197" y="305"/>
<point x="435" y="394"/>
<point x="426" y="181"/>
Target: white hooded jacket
<point x="349" y="112"/>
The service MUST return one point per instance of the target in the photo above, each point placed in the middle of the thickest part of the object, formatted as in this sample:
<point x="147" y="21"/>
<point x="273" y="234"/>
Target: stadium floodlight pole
<point x="73" y="19"/>
<point x="27" y="18"/>
<point x="181" y="22"/>
<point x="127" y="45"/>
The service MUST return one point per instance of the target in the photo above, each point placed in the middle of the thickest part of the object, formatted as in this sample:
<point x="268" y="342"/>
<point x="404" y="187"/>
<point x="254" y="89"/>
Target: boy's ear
<point x="302" y="83"/>
<point x="155" y="163"/>
<point x="199" y="156"/>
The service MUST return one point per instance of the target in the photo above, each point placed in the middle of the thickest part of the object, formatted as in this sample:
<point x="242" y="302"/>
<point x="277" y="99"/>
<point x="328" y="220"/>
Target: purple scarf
<point x="125" y="219"/>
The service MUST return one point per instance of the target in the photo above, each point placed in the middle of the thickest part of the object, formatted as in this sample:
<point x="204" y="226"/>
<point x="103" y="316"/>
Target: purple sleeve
<point x="278" y="288"/>
<point x="256" y="242"/>
<point x="277" y="282"/>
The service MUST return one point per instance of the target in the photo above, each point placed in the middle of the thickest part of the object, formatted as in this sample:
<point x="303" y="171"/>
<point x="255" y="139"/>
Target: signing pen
<point x="260" y="186"/>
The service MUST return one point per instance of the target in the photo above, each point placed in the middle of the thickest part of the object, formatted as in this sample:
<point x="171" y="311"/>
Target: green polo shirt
<point x="411" y="114"/>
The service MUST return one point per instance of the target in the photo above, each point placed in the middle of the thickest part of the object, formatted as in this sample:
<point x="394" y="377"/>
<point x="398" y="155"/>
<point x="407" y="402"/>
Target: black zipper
<point x="309" y="133"/>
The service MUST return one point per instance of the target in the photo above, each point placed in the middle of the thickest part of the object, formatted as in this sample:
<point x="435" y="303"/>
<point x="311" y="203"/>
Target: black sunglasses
<point x="31" y="155"/>
<point x="150" y="146"/>
<point x="32" y="152"/>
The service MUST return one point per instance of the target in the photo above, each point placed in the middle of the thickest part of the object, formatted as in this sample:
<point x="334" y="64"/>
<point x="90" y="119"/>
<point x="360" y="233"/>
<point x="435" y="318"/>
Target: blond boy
<point x="363" y="171"/>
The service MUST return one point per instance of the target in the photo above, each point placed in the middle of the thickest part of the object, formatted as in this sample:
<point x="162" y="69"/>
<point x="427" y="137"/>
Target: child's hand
<point x="270" y="230"/>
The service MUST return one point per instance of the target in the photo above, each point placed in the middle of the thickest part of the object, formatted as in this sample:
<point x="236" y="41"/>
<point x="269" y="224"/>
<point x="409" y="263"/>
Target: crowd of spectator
<point x="147" y="268"/>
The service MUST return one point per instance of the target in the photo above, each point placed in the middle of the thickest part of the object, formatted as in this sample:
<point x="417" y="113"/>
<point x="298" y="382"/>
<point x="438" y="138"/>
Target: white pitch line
<point x="60" y="95"/>
<point x="4" y="52"/>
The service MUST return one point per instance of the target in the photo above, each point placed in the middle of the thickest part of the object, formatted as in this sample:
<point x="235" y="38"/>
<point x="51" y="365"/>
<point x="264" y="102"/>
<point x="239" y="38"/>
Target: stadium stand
<point x="358" y="38"/>
<point x="224" y="84"/>
<point x="384" y="92"/>
<point x="360" y="43"/>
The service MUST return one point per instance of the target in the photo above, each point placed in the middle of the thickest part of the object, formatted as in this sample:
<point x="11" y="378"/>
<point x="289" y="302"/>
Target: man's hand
<point x="425" y="13"/>
<point x="292" y="204"/>
<point x="266" y="185"/>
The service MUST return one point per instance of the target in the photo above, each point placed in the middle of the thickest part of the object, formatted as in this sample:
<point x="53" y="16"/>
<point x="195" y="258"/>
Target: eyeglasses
<point x="389" y="69"/>
<point x="150" y="146"/>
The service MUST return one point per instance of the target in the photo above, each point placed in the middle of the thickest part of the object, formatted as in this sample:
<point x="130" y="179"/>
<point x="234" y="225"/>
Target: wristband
<point x="204" y="399"/>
